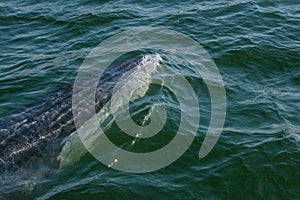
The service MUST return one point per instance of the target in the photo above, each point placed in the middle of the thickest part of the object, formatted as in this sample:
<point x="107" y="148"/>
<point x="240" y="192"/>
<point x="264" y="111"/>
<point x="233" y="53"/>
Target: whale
<point x="38" y="132"/>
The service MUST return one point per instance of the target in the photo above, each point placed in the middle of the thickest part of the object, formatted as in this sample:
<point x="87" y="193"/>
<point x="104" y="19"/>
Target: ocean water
<point x="255" y="45"/>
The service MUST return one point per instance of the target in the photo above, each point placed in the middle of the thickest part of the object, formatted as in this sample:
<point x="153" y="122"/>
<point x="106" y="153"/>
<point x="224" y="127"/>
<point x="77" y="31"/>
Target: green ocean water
<point x="256" y="47"/>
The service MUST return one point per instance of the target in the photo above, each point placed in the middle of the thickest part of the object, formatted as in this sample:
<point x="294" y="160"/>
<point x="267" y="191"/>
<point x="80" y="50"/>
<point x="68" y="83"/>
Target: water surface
<point x="256" y="46"/>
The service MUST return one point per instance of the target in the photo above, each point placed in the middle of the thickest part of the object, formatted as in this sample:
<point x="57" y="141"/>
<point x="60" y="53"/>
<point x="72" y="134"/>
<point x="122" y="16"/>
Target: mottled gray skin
<point x="37" y="131"/>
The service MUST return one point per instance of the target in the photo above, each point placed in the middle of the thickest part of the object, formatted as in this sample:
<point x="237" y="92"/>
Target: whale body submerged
<point x="38" y="131"/>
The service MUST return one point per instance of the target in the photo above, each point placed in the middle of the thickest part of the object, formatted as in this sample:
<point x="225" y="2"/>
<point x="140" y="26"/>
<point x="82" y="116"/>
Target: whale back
<point x="39" y="129"/>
